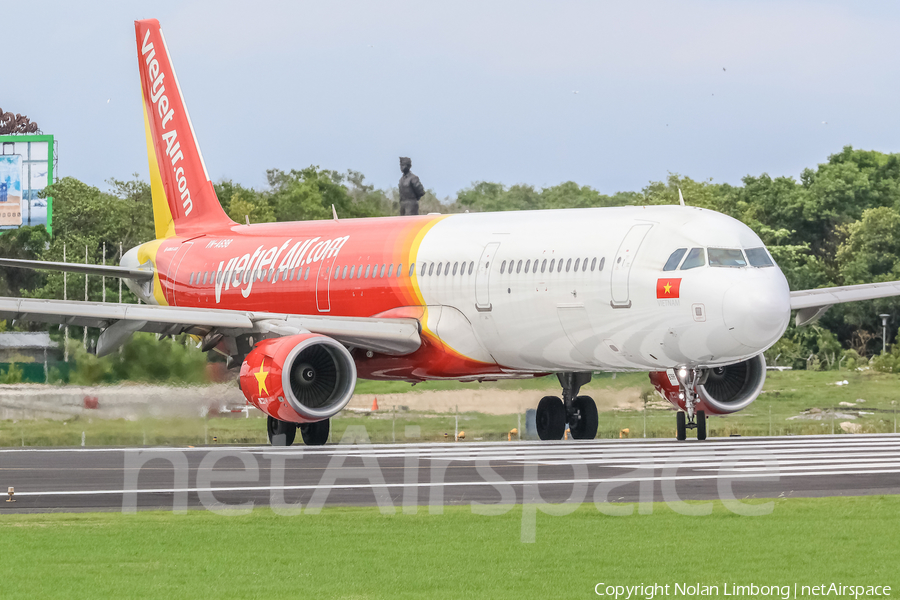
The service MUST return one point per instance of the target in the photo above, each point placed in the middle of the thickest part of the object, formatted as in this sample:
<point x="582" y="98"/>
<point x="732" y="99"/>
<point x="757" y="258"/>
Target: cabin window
<point x="456" y="267"/>
<point x="337" y="273"/>
<point x="568" y="264"/>
<point x="559" y="266"/>
<point x="439" y="268"/>
<point x="191" y="282"/>
<point x="293" y="274"/>
<point x="431" y="269"/>
<point x="471" y="267"/>
<point x="527" y="266"/>
<point x="344" y="275"/>
<point x="593" y="263"/>
<point x="695" y="258"/>
<point x="726" y="257"/>
<point x="758" y="257"/>
<point x="552" y="265"/>
<point x="390" y="270"/>
<point x="424" y="268"/>
<point x="519" y="267"/>
<point x="503" y="267"/>
<point x="205" y="276"/>
<point x="271" y="274"/>
<point x="543" y="265"/>
<point x="577" y="260"/>
<point x="306" y="274"/>
<point x="674" y="259"/>
<point x="602" y="262"/>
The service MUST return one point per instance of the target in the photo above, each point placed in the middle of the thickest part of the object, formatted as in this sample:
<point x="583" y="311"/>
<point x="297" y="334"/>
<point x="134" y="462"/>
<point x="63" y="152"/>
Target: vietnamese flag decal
<point x="667" y="288"/>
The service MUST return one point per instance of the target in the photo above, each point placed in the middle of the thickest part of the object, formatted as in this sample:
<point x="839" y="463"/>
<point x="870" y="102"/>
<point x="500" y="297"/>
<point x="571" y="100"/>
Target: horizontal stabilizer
<point x="100" y="270"/>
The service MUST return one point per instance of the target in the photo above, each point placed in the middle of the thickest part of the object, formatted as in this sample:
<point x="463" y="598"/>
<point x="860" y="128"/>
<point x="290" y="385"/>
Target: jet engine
<point x="299" y="378"/>
<point x="722" y="390"/>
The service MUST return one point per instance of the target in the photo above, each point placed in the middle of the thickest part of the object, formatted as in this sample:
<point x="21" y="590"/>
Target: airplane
<point x="303" y="309"/>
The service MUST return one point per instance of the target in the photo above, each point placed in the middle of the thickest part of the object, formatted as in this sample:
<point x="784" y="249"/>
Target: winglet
<point x="680" y="197"/>
<point x="334" y="212"/>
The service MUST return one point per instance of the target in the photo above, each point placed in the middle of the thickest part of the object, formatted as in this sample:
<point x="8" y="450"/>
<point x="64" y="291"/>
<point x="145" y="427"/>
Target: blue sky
<point x="470" y="90"/>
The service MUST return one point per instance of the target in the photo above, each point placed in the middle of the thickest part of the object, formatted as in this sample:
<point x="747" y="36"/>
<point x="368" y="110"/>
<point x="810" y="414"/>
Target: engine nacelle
<point x="722" y="390"/>
<point x="299" y="378"/>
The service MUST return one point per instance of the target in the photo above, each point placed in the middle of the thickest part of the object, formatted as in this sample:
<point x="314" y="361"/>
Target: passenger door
<point x="622" y="262"/>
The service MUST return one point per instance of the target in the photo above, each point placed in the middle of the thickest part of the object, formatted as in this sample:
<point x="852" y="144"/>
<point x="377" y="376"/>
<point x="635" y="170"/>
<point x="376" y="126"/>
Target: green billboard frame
<point x="50" y="161"/>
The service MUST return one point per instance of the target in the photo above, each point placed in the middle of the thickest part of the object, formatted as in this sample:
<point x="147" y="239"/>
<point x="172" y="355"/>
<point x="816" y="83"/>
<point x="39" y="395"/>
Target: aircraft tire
<point x="585" y="427"/>
<point x="680" y="426"/>
<point x="315" y="434"/>
<point x="281" y="433"/>
<point x="550" y="418"/>
<point x="701" y="425"/>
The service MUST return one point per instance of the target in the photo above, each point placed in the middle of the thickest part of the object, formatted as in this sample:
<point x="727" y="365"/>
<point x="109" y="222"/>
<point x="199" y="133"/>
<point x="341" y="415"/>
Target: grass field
<point x="360" y="553"/>
<point x="786" y="395"/>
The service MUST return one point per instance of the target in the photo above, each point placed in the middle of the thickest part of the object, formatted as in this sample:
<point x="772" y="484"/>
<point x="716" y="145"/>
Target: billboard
<point x="11" y="190"/>
<point x="33" y="158"/>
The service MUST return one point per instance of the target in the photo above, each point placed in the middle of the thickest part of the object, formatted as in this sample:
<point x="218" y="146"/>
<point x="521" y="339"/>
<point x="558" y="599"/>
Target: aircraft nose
<point x="757" y="311"/>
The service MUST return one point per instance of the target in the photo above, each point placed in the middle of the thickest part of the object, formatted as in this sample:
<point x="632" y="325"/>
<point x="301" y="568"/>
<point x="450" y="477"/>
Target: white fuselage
<point x="609" y="319"/>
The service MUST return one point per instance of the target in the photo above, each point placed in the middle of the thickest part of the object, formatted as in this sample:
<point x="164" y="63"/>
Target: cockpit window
<point x="758" y="257"/>
<point x="673" y="261"/>
<point x="726" y="257"/>
<point x="695" y="258"/>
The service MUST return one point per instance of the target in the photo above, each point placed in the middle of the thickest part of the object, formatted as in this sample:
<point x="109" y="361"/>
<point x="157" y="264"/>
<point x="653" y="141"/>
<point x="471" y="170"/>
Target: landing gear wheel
<point x="681" y="426"/>
<point x="701" y="425"/>
<point x="315" y="434"/>
<point x="281" y="433"/>
<point x="583" y="423"/>
<point x="551" y="418"/>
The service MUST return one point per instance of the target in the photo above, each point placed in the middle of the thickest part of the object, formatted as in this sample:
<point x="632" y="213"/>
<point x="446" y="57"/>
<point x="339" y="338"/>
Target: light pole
<point x="884" y="319"/>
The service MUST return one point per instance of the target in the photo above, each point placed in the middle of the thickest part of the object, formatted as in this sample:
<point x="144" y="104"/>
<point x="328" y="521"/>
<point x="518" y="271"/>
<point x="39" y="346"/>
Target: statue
<point x="10" y="123"/>
<point x="411" y="189"/>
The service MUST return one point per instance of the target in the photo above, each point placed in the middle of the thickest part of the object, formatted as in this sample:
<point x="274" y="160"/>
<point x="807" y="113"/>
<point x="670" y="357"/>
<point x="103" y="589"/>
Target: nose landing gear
<point x="580" y="412"/>
<point x="690" y="418"/>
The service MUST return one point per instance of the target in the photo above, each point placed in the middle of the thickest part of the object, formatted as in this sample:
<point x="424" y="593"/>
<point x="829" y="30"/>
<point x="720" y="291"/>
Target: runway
<point x="415" y="477"/>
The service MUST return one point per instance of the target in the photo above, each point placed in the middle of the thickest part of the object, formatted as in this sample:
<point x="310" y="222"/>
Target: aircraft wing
<point x="119" y="321"/>
<point x="812" y="304"/>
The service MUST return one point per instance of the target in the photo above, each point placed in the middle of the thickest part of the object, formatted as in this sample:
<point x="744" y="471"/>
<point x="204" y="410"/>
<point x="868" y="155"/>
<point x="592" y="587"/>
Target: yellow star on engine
<point x="667" y="287"/>
<point x="261" y="377"/>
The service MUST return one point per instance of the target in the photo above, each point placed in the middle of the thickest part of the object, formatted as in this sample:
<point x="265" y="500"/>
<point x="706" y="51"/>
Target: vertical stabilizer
<point x="184" y="201"/>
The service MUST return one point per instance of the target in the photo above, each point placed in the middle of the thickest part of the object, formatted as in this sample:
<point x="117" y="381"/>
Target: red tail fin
<point x="175" y="162"/>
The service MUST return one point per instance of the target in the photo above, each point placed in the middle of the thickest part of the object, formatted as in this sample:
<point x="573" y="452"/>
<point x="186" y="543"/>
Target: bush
<point x="13" y="374"/>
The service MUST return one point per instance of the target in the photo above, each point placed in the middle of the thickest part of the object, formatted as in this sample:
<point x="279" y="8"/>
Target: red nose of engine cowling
<point x="299" y="378"/>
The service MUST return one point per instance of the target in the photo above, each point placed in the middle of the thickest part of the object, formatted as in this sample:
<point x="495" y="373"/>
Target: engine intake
<point x="731" y="388"/>
<point x="299" y="378"/>
<point x="722" y="390"/>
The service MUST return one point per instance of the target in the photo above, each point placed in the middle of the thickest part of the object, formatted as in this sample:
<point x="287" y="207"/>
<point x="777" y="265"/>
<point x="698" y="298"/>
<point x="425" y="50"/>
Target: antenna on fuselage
<point x="680" y="197"/>
<point x="334" y="212"/>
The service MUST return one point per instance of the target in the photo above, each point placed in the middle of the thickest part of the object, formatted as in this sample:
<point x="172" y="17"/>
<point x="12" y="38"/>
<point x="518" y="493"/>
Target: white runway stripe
<point x="478" y="483"/>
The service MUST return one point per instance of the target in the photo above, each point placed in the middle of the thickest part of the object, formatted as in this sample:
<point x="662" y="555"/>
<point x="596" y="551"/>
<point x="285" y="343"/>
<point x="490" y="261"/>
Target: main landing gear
<point x="282" y="433"/>
<point x="579" y="412"/>
<point x="690" y="418"/>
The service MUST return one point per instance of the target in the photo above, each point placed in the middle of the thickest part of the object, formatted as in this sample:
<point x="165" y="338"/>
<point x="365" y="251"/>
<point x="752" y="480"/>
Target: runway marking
<point x="808" y="441"/>
<point x="621" y="480"/>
